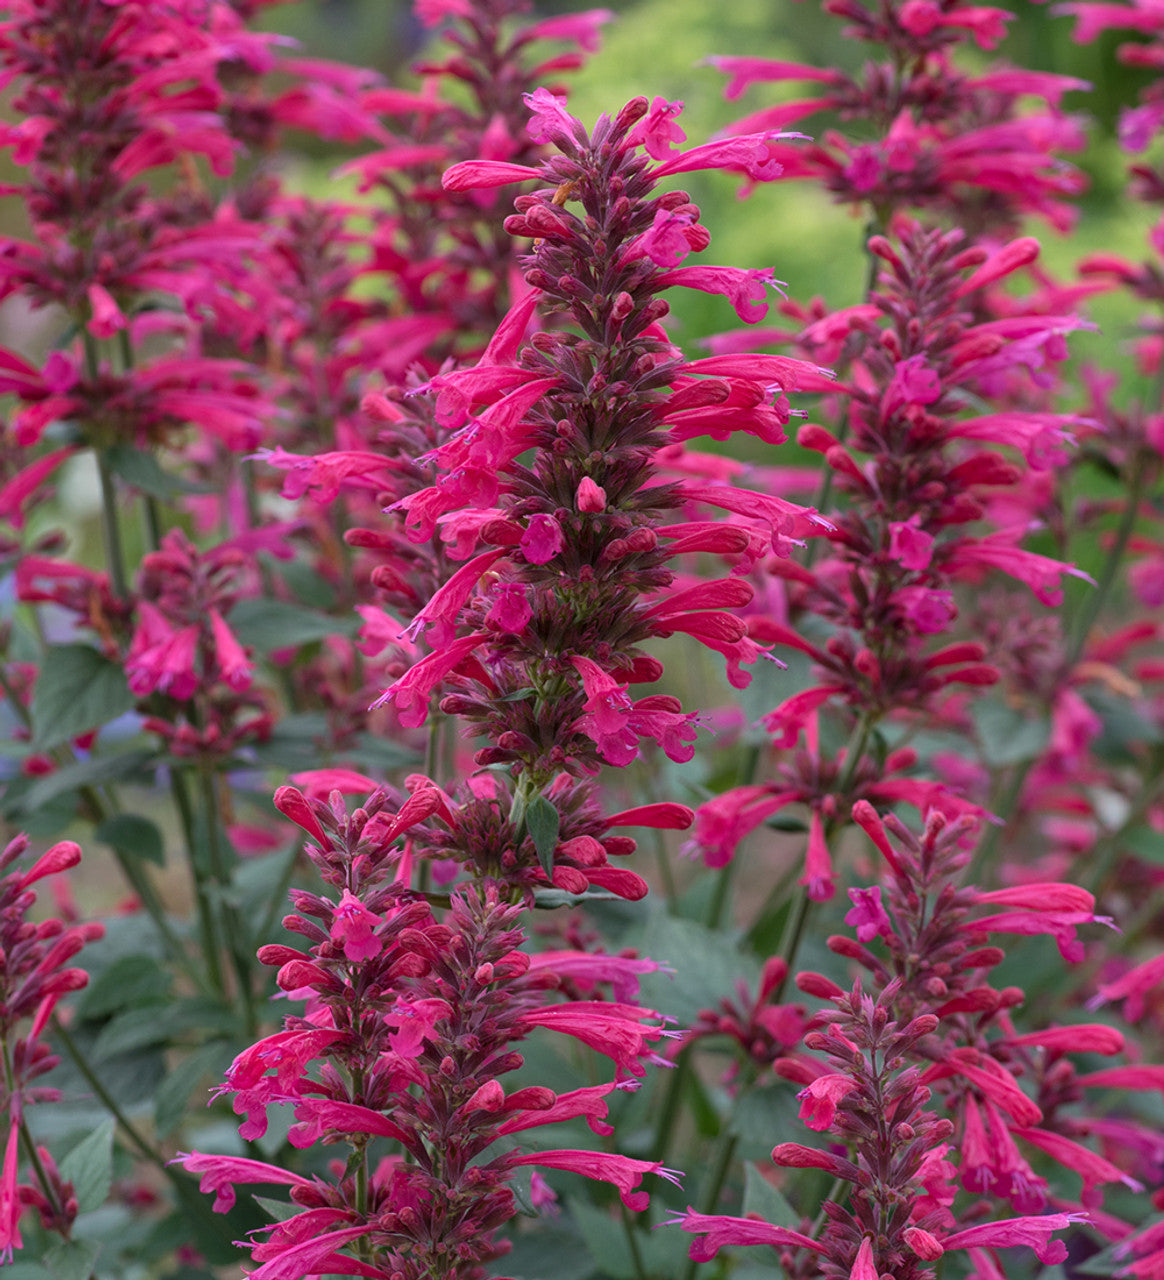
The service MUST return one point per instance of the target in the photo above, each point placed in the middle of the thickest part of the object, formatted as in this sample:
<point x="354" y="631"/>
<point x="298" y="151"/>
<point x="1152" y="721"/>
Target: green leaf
<point x="268" y="625"/>
<point x="84" y="773"/>
<point x="550" y="1253"/>
<point x="543" y="822"/>
<point x="1007" y="735"/>
<point x="762" y="1115"/>
<point x="707" y="965"/>
<point x="142" y="471"/>
<point x="72" y="1259"/>
<point x="89" y="1167"/>
<point x="77" y="690"/>
<point x="26" y="1271"/>
<point x="133" y="837"/>
<point x="174" y="1092"/>
<point x="138" y="1028"/>
<point x="1146" y="843"/>
<point x="606" y="1243"/>
<point x="130" y="981"/>
<point x="549" y="899"/>
<point x="280" y="1210"/>
<point x="761" y="1197"/>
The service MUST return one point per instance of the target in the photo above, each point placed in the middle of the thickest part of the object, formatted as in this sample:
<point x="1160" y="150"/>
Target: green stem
<point x="206" y="926"/>
<point x="672" y="1098"/>
<point x="232" y="929"/>
<point x="26" y="1141"/>
<point x="666" y="874"/>
<point x="628" y="1227"/>
<point x="1090" y="609"/>
<point x="722" y="894"/>
<point x="111" y="530"/>
<point x="725" y="1150"/>
<point x="145" y="1148"/>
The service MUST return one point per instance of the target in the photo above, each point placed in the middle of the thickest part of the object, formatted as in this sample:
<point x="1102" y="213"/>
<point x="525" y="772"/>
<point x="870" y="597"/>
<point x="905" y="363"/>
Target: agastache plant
<point x="37" y="975"/>
<point x="412" y="1024"/>
<point x="400" y="499"/>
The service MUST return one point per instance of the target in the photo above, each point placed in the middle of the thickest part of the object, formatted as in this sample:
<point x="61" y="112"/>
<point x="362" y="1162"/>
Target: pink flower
<point x="10" y="1206"/>
<point x="234" y="667"/>
<point x="864" y="1268"/>
<point x="818" y="865"/>
<point x="354" y="928"/>
<point x="998" y="551"/>
<point x="221" y="1173"/>
<point x="911" y="545"/>
<point x="106" y="315"/>
<point x="472" y="175"/>
<point x="621" y="1171"/>
<point x="1133" y="986"/>
<point x="1011" y="1233"/>
<point x="543" y="539"/>
<point x="411" y="693"/>
<point x="511" y="611"/>
<point x="746" y="289"/>
<point x="868" y="916"/>
<point x="657" y="131"/>
<point x="818" y="1102"/>
<point x="611" y="1028"/>
<point x="590" y="496"/>
<point x="1092" y="1168"/>
<point x="723" y="822"/>
<point x="718" y="1231"/>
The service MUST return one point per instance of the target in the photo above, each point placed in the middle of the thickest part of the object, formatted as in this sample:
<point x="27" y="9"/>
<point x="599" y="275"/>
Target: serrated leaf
<point x="707" y="965"/>
<point x="72" y="1259"/>
<point x="761" y="1197"/>
<point x="1008" y="735"/>
<point x="174" y="1092"/>
<point x="269" y="625"/>
<point x="83" y="773"/>
<point x="550" y="899"/>
<point x="1146" y="843"/>
<point x="129" y="982"/>
<point x="605" y="1242"/>
<point x="762" y="1115"/>
<point x="143" y="472"/>
<point x="89" y="1167"/>
<point x="543" y="822"/>
<point x="139" y="1028"/>
<point x="134" y="837"/>
<point x="280" y="1210"/>
<point x="78" y="689"/>
<point x="550" y="1253"/>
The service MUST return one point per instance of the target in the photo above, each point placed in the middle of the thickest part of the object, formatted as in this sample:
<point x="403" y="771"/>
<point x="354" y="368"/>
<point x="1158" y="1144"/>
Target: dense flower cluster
<point x="403" y="506"/>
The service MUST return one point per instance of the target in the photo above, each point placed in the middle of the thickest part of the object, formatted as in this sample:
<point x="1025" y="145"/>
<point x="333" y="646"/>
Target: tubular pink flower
<point x="613" y="1029"/>
<point x="411" y="693"/>
<point x="747" y="290"/>
<point x="1132" y="987"/>
<point x="1010" y="1233"/>
<point x="621" y="1171"/>
<point x="234" y="667"/>
<point x="471" y="175"/>
<point x="748" y="153"/>
<point x="992" y="1079"/>
<point x="588" y="1102"/>
<point x="354" y="928"/>
<point x="818" y="864"/>
<point x="220" y="1174"/>
<point x="818" y="1101"/>
<point x="10" y="1206"/>
<point x="1092" y="1168"/>
<point x="719" y="1231"/>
